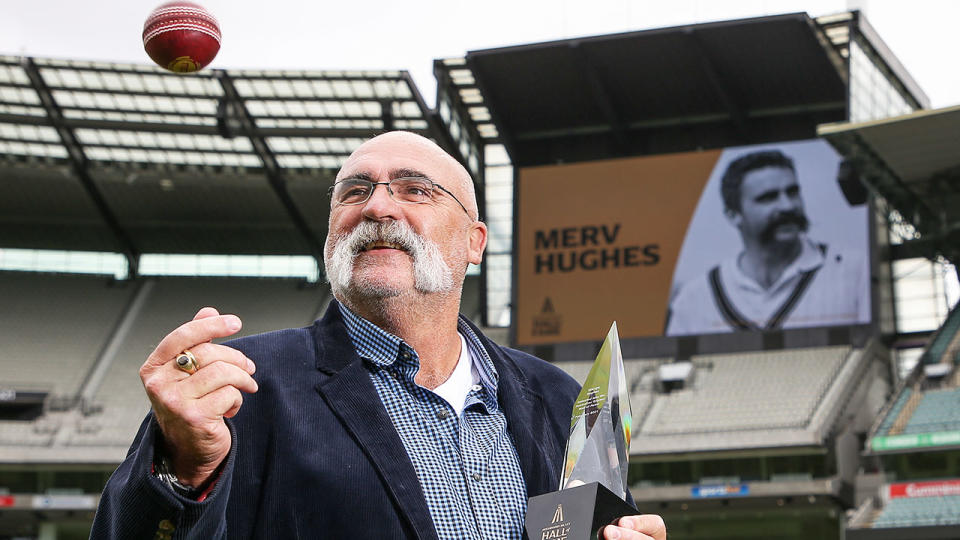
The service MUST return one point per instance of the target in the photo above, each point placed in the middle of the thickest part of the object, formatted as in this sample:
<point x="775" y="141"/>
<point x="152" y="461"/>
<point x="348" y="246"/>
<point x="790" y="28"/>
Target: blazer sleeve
<point x="136" y="504"/>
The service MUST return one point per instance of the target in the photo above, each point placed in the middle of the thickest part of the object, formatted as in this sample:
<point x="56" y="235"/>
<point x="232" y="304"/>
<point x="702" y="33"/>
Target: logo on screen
<point x="547" y="322"/>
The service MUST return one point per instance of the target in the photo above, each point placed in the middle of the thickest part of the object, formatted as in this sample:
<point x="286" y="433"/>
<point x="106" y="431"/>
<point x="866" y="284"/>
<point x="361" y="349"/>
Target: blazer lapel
<point x="353" y="399"/>
<point x="536" y="449"/>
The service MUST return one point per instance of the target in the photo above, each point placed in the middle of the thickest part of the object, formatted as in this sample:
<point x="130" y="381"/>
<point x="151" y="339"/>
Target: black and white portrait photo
<point x="773" y="244"/>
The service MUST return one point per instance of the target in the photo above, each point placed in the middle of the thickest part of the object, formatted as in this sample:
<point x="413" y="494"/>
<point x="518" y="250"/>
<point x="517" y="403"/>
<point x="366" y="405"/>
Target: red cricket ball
<point x="181" y="36"/>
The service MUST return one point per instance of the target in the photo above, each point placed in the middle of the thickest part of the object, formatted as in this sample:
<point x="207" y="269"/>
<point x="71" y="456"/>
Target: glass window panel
<point x="295" y="266"/>
<point x="383" y="89"/>
<point x="322" y="89"/>
<point x="906" y="360"/>
<point x="64" y="261"/>
<point x="920" y="293"/>
<point x="296" y="108"/>
<point x="282" y="88"/>
<point x="275" y="108"/>
<point x="408" y="109"/>
<point x="342" y="89"/>
<point x="263" y="88"/>
<point x="363" y="89"/>
<point x="111" y="81"/>
<point x="479" y="114"/>
<point x="193" y="86"/>
<point x="302" y="89"/>
<point x="90" y="79"/>
<point x="70" y="79"/>
<point x="352" y="108"/>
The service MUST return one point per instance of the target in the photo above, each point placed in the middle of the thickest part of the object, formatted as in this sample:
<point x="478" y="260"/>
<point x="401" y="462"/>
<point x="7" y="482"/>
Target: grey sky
<point x="377" y="34"/>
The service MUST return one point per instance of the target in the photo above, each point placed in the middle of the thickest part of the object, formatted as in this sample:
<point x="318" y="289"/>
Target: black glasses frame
<point x="373" y="186"/>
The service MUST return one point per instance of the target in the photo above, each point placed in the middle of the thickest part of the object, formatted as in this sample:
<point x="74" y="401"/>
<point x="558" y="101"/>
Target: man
<point x="781" y="278"/>
<point x="391" y="417"/>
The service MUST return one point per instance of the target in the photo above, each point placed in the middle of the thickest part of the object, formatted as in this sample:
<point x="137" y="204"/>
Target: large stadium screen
<point x="750" y="238"/>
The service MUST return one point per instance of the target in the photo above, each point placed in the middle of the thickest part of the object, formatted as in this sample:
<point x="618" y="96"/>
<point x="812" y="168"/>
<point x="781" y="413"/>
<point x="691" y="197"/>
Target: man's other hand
<point x="643" y="527"/>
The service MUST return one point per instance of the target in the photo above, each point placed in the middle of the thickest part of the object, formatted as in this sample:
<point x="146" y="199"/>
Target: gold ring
<point x="187" y="362"/>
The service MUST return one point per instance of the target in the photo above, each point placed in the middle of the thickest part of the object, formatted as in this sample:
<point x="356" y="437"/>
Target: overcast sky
<point x="410" y="34"/>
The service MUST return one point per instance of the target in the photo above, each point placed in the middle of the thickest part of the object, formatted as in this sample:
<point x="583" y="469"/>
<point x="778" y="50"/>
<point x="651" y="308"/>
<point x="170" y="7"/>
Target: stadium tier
<point x="929" y="398"/>
<point x="262" y="304"/>
<point x="915" y="510"/>
<point x="737" y="401"/>
<point x="898" y="405"/>
<point x="748" y="391"/>
<point x="53" y="328"/>
<point x="752" y="400"/>
<point x="916" y="439"/>
<point x="945" y="341"/>
<point x="85" y="338"/>
<point x="115" y="326"/>
<point x="939" y="410"/>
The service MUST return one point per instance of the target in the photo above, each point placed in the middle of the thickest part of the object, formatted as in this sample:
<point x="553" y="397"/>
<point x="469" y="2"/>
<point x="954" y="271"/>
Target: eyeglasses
<point x="407" y="190"/>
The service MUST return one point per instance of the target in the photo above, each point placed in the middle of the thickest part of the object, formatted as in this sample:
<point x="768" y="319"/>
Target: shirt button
<point x="476" y="387"/>
<point x="442" y="414"/>
<point x="165" y="525"/>
<point x="476" y="477"/>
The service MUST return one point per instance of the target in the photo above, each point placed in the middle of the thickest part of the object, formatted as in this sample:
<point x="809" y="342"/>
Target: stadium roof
<point x="662" y="90"/>
<point x="913" y="161"/>
<point x="133" y="159"/>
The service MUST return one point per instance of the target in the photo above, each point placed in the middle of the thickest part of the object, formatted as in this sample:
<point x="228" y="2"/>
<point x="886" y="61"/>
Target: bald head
<point x="405" y="151"/>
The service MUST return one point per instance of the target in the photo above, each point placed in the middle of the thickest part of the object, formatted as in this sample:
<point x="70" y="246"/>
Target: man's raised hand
<point x="190" y="408"/>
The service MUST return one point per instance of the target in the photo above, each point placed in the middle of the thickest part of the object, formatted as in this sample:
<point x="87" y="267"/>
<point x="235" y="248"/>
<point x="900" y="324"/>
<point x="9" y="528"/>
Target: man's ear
<point x="476" y="242"/>
<point x="733" y="216"/>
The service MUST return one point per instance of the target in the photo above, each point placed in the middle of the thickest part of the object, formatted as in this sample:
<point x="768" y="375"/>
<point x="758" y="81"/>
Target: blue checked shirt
<point x="467" y="464"/>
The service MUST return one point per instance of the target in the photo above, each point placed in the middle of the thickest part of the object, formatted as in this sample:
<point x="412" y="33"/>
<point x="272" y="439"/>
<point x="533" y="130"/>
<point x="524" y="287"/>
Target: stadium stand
<point x="748" y="391"/>
<point x="920" y="511"/>
<point x="945" y="340"/>
<point x="755" y="400"/>
<point x="915" y="437"/>
<point x="81" y="311"/>
<point x="641" y="381"/>
<point x="764" y="434"/>
<point x="926" y="403"/>
<point x="898" y="405"/>
<point x="938" y="410"/>
<point x="915" y="510"/>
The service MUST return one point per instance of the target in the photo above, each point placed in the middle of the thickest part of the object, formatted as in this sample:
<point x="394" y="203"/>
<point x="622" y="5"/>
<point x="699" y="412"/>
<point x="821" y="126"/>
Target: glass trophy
<point x="593" y="484"/>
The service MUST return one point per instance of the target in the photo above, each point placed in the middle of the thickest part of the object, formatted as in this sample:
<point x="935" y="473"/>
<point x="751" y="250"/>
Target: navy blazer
<point x="315" y="454"/>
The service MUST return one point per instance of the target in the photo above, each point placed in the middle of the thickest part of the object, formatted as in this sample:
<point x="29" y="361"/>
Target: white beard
<point x="431" y="273"/>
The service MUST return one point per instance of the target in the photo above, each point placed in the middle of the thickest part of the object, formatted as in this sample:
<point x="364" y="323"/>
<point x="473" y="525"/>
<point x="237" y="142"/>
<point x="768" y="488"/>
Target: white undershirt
<point x="463" y="379"/>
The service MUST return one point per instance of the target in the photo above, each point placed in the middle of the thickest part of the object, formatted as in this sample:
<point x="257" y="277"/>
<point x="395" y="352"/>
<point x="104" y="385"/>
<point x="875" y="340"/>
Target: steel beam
<point x="274" y="172"/>
<point x="80" y="164"/>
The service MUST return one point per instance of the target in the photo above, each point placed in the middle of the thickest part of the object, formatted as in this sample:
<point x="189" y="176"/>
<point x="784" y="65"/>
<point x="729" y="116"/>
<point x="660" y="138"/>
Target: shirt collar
<point x="372" y="342"/>
<point x="811" y="256"/>
<point x="384" y="349"/>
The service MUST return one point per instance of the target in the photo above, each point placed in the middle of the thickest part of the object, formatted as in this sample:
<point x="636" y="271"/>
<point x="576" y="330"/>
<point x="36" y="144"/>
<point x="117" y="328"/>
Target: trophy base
<point x="574" y="514"/>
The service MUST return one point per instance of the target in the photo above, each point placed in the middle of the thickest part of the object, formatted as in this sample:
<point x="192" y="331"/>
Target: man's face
<point x="771" y="208"/>
<point x="383" y="247"/>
